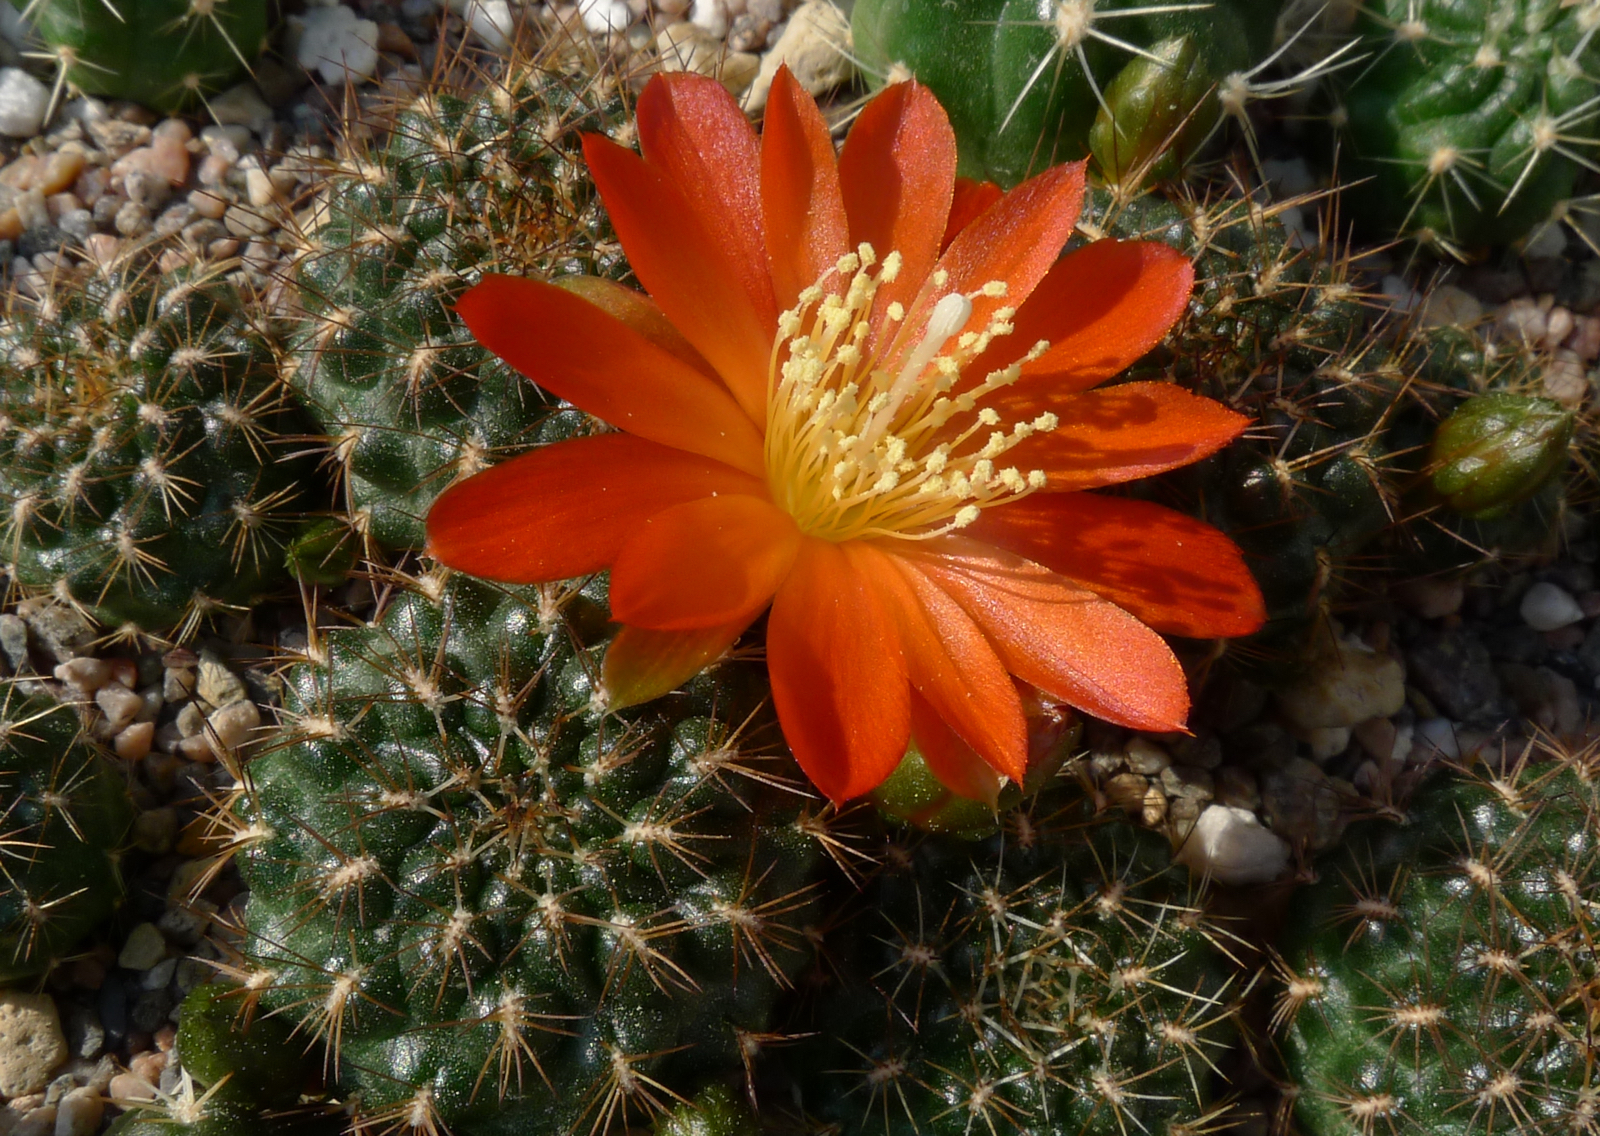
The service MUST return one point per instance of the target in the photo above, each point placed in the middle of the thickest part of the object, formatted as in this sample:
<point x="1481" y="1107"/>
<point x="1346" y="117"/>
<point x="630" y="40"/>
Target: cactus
<point x="1441" y="976"/>
<point x="1047" y="980"/>
<point x="253" y="1072"/>
<point x="467" y="183"/>
<point x="1029" y="85"/>
<point x="143" y="480"/>
<point x="61" y="831"/>
<point x="497" y="908"/>
<point x="1470" y="121"/>
<point x="165" y="54"/>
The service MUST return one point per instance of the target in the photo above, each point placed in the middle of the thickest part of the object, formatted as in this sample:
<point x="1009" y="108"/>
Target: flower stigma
<point x="873" y="439"/>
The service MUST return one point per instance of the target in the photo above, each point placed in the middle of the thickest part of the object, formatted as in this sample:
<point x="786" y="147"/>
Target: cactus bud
<point x="1155" y="112"/>
<point x="1499" y="449"/>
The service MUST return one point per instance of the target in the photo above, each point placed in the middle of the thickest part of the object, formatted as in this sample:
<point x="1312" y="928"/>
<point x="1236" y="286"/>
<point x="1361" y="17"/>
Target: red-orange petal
<point x="949" y="758"/>
<point x="952" y="665"/>
<point x="802" y="205"/>
<point x="1066" y="641"/>
<point x="698" y="282"/>
<point x="567" y="509"/>
<point x="838" y="674"/>
<point x="642" y="664"/>
<point x="639" y="312"/>
<point x="1100" y="308"/>
<point x="897" y="171"/>
<point x="1014" y="242"/>
<point x="1117" y="434"/>
<point x="693" y="132"/>
<point x="971" y="198"/>
<point x="578" y="352"/>
<point x="1176" y="574"/>
<point x="703" y="563"/>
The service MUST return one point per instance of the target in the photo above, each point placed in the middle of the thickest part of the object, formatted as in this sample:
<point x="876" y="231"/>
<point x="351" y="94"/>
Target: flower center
<point x="866" y="439"/>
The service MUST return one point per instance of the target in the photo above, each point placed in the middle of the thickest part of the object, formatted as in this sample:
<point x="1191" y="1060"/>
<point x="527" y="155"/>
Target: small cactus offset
<point x="165" y="54"/>
<point x="499" y="909"/>
<point x="1050" y="979"/>
<point x="481" y="181"/>
<point x="144" y="479"/>
<point x="66" y="813"/>
<point x="1441" y="976"/>
<point x="1471" y="119"/>
<point x="1028" y="85"/>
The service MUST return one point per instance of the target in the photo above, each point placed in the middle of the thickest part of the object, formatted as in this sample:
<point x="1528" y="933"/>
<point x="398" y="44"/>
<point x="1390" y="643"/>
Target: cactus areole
<point x="850" y="403"/>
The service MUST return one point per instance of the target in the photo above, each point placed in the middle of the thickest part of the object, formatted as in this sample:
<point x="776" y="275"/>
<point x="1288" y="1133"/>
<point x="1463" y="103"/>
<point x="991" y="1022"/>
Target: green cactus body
<point x="500" y="910"/>
<point x="143" y="477"/>
<point x="1048" y="980"/>
<point x="1029" y="85"/>
<point x="66" y="814"/>
<point x="465" y="185"/>
<point x="165" y="54"/>
<point x="1440" y="978"/>
<point x="1467" y="124"/>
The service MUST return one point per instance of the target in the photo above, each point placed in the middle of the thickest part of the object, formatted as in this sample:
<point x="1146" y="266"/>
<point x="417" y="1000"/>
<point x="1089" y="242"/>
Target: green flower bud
<point x="1497" y="450"/>
<point x="1155" y="112"/>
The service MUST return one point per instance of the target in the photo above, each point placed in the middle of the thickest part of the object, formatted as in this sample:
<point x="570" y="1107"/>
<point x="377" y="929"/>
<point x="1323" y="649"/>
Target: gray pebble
<point x="57" y="629"/>
<point x="79" y="1113"/>
<point x="147" y="189"/>
<point x="144" y="947"/>
<point x="218" y="685"/>
<point x="1453" y="668"/>
<point x="150" y="1010"/>
<point x="78" y="223"/>
<point x="1187" y="781"/>
<point x="175" y="218"/>
<point x="105" y="209"/>
<point x="86" y="1037"/>
<point x="14" y="642"/>
<point x="132" y="219"/>
<point x="157" y="977"/>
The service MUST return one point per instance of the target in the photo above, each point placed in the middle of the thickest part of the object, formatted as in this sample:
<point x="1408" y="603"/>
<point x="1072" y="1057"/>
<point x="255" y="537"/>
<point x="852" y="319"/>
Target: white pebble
<point x="712" y="15"/>
<point x="23" y="102"/>
<point x="490" y="21"/>
<point x="1549" y="242"/>
<point x="232" y="725"/>
<point x="134" y="742"/>
<point x="85" y="673"/>
<point x="1230" y="845"/>
<point x="1547" y="607"/>
<point x="1435" y="737"/>
<point x="337" y="43"/>
<point x="602" y="17"/>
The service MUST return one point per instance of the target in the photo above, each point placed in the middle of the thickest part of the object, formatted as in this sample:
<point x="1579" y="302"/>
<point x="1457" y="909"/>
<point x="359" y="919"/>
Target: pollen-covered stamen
<point x="854" y="449"/>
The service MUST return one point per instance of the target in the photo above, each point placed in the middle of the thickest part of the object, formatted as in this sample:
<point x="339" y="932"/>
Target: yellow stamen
<point x="854" y="450"/>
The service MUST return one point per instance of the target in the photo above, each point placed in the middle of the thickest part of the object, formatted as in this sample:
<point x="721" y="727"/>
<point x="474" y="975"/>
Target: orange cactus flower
<point x="859" y="398"/>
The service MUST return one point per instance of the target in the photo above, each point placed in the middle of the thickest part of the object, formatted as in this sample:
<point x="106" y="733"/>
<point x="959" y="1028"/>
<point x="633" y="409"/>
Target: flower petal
<point x="956" y="764"/>
<point x="639" y="312"/>
<point x="703" y="563"/>
<point x="802" y="206"/>
<point x="952" y="665"/>
<point x="700" y="284"/>
<point x="838" y="673"/>
<point x="567" y="509"/>
<point x="1015" y="241"/>
<point x="970" y="200"/>
<point x="1066" y="641"/>
<point x="693" y="132"/>
<point x="1176" y="574"/>
<point x="1116" y="434"/>
<point x="897" y="171"/>
<point x="1100" y="308"/>
<point x="641" y="664"/>
<point x="578" y="352"/>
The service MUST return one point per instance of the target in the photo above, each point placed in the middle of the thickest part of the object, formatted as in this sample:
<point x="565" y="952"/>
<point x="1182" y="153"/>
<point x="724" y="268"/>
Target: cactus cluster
<point x="166" y="54"/>
<point x="65" y="814"/>
<point x="144" y="476"/>
<point x="482" y="181"/>
<point x="1051" y="979"/>
<point x="1470" y="119"/>
<point x="1028" y="85"/>
<point x="1441" y="976"/>
<point x="500" y="909"/>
